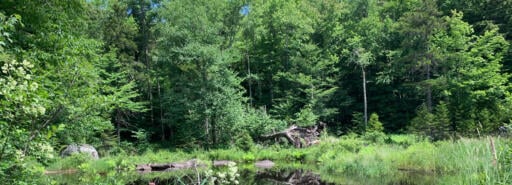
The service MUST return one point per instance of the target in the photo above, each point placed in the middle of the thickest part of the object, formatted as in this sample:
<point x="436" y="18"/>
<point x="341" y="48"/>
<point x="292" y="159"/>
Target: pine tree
<point x="374" y="124"/>
<point x="442" y="127"/>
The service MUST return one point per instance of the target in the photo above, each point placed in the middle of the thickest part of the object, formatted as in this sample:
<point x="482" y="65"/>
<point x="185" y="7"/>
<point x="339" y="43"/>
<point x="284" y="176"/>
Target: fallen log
<point x="221" y="163"/>
<point x="57" y="172"/>
<point x="264" y="164"/>
<point x="193" y="163"/>
<point x="299" y="136"/>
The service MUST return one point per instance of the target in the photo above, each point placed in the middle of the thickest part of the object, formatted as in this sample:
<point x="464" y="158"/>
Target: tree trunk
<point x="365" y="100"/>
<point x="271" y="92"/>
<point x="161" y="110"/>
<point x="250" y="78"/>
<point x="118" y="122"/>
<point x="428" y="90"/>
<point x="214" y="133"/>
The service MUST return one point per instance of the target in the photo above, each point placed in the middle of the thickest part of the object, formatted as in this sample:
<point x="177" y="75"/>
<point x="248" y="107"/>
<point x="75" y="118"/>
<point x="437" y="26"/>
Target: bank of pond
<point x="395" y="159"/>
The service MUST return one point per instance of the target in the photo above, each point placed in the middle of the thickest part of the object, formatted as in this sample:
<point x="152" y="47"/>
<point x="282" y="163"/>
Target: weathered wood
<point x="193" y="163"/>
<point x="264" y="164"/>
<point x="57" y="172"/>
<point x="143" y="167"/>
<point x="221" y="163"/>
<point x="160" y="167"/>
<point x="493" y="152"/>
<point x="299" y="136"/>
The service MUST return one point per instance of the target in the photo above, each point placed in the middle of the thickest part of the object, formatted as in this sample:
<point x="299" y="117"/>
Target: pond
<point x="246" y="174"/>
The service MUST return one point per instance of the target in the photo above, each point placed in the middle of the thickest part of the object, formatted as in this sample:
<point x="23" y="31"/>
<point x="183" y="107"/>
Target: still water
<point x="247" y="176"/>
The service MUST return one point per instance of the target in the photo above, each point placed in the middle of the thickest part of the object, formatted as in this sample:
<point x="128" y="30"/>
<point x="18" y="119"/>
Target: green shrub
<point x="375" y="137"/>
<point x="403" y="140"/>
<point x="299" y="155"/>
<point x="244" y="142"/>
<point x="419" y="156"/>
<point x="351" y="144"/>
<point x="28" y="171"/>
<point x="305" y="117"/>
<point x="71" y="162"/>
<point x="249" y="157"/>
<point x="435" y="126"/>
<point x="374" y="125"/>
<point x="142" y="140"/>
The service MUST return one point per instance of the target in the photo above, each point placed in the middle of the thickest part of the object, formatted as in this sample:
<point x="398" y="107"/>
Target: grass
<point x="346" y="159"/>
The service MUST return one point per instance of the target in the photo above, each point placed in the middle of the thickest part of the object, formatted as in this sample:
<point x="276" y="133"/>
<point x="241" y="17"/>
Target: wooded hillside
<point x="123" y="73"/>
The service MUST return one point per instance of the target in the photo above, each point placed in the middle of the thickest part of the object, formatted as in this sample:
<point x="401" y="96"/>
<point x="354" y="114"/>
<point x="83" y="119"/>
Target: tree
<point x="205" y="94"/>
<point x="436" y="126"/>
<point x="144" y="12"/>
<point x="417" y="60"/>
<point x="472" y="82"/>
<point x="375" y="124"/>
<point x="423" y="123"/>
<point x="21" y="104"/>
<point x="363" y="42"/>
<point x="70" y="69"/>
<point x="118" y="31"/>
<point x="292" y="74"/>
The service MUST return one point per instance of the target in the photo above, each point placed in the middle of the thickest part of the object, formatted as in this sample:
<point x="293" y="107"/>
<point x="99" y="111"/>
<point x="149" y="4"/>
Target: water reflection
<point x="292" y="177"/>
<point x="248" y="176"/>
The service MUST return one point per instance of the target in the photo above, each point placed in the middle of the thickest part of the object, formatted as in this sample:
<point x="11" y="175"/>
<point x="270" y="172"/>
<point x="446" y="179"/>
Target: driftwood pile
<point x="299" y="137"/>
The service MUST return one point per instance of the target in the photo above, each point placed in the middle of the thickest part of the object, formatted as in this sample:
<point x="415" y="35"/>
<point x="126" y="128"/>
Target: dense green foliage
<point x="127" y="76"/>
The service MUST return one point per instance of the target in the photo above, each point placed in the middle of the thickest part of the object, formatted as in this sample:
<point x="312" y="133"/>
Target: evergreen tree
<point x="443" y="124"/>
<point x="471" y="78"/>
<point x="423" y="123"/>
<point x="374" y="124"/>
<point x="416" y="60"/>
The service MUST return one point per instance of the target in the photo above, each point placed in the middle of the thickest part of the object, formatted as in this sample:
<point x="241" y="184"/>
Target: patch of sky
<point x="245" y="10"/>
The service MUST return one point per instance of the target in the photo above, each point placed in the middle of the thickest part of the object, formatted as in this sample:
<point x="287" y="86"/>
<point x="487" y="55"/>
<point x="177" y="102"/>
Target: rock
<point x="264" y="164"/>
<point x="82" y="148"/>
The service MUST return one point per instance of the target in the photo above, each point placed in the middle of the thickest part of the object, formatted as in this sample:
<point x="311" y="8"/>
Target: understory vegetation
<point x="350" y="159"/>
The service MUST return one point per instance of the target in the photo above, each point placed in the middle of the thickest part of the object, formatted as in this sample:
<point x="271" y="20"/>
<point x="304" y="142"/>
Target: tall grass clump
<point x="471" y="161"/>
<point x="404" y="140"/>
<point x="418" y="157"/>
<point x="70" y="162"/>
<point x="355" y="155"/>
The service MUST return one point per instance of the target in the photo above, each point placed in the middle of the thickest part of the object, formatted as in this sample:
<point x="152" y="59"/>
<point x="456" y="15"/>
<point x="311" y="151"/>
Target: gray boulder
<point x="82" y="148"/>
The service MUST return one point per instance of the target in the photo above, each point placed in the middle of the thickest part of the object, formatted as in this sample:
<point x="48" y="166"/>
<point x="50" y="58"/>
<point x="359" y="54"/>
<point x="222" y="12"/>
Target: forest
<point x="186" y="77"/>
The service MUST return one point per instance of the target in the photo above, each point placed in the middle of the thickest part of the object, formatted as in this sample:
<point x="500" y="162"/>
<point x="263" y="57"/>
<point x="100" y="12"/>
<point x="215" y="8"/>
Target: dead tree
<point x="299" y="136"/>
